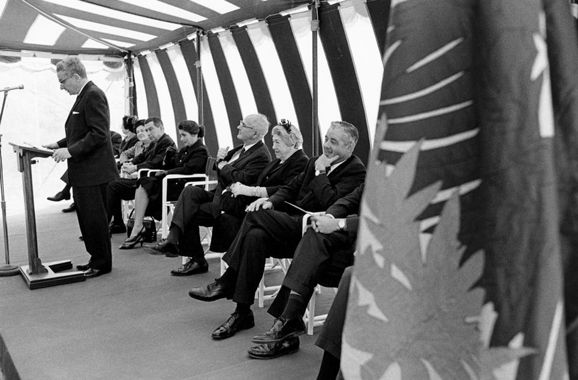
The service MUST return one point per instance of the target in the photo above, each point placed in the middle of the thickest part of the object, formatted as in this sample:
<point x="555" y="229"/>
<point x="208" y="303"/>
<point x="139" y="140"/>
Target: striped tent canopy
<point x="217" y="60"/>
<point x="267" y="67"/>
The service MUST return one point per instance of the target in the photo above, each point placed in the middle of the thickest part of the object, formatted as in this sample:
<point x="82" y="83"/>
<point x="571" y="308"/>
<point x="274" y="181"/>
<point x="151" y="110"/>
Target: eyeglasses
<point x="64" y="80"/>
<point x="286" y="124"/>
<point x="242" y="124"/>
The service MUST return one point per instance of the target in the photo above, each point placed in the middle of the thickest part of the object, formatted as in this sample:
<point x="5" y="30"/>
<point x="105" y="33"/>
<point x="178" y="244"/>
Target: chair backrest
<point x="210" y="170"/>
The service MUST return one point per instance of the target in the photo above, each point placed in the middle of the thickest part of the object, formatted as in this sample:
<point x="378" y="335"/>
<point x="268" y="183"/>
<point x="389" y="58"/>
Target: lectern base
<point x="51" y="277"/>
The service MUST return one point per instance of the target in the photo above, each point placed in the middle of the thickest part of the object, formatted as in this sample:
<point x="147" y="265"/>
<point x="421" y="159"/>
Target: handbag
<point x="150" y="228"/>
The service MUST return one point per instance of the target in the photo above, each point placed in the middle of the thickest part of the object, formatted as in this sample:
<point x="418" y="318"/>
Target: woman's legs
<point x="141" y="201"/>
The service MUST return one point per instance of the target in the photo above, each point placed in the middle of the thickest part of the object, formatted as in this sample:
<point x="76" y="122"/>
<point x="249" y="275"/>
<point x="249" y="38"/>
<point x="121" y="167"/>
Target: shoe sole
<point x="206" y="299"/>
<point x="245" y="327"/>
<point x="264" y="357"/>
<point x="269" y="340"/>
<point x="190" y="273"/>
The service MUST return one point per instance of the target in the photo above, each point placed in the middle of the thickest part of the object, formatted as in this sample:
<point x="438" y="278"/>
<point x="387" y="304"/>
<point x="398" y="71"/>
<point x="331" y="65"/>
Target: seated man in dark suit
<point x="197" y="207"/>
<point x="151" y="158"/>
<point x="323" y="253"/>
<point x="274" y="228"/>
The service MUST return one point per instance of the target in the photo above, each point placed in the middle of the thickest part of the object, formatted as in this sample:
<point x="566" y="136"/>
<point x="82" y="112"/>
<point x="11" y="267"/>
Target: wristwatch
<point x="319" y="172"/>
<point x="341" y="224"/>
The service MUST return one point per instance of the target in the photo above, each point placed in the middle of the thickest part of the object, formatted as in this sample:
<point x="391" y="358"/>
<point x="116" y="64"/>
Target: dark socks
<point x="329" y="367"/>
<point x="243" y="308"/>
<point x="174" y="235"/>
<point x="229" y="278"/>
<point x="295" y="307"/>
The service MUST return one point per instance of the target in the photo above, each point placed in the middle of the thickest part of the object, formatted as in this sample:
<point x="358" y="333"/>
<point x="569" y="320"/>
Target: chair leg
<point x="311" y="315"/>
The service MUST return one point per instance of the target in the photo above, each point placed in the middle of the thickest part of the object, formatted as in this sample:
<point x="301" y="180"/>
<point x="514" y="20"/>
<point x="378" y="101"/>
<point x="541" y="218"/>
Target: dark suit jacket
<point x="246" y="169"/>
<point x="318" y="193"/>
<point x="190" y="159"/>
<point x="128" y="143"/>
<point x="154" y="155"/>
<point x="88" y="139"/>
<point x="276" y="175"/>
<point x="348" y="207"/>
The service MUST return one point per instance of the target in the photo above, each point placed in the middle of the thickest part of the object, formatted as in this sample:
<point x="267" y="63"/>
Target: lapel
<point x="78" y="98"/>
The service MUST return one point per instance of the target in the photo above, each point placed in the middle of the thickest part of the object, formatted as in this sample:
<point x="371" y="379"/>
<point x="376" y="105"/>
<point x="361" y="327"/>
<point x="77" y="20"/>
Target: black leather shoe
<point x="60" y="196"/>
<point x="117" y="228"/>
<point x="212" y="292"/>
<point x="274" y="350"/>
<point x="70" y="208"/>
<point x="234" y="324"/>
<point x="91" y="272"/>
<point x="83" y="267"/>
<point x="282" y="329"/>
<point x="163" y="248"/>
<point x="190" y="268"/>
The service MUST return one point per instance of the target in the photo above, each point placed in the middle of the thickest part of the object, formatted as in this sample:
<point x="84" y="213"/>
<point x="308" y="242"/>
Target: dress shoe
<point x="163" y="248"/>
<point x="117" y="228"/>
<point x="91" y="272"/>
<point x="190" y="268"/>
<point x="274" y="350"/>
<point x="83" y="267"/>
<point x="70" y="208"/>
<point x="282" y="329"/>
<point x="60" y="196"/>
<point x="234" y="324"/>
<point x="212" y="292"/>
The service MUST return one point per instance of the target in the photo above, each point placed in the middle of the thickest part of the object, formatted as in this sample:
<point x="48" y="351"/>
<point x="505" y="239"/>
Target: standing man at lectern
<point x="88" y="150"/>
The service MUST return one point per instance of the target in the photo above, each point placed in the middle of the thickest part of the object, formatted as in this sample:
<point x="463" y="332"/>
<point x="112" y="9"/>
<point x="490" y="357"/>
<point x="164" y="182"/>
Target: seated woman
<point x="190" y="159"/>
<point x="128" y="129"/>
<point x="290" y="161"/>
<point x="139" y="147"/>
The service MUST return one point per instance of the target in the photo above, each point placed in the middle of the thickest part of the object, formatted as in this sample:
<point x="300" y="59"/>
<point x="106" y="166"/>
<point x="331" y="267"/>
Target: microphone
<point x="6" y="89"/>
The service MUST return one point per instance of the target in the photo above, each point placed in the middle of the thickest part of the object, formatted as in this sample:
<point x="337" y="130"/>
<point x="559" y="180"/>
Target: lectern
<point x="35" y="274"/>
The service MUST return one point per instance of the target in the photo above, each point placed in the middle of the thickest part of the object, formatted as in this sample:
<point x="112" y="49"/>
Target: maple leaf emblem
<point x="423" y="305"/>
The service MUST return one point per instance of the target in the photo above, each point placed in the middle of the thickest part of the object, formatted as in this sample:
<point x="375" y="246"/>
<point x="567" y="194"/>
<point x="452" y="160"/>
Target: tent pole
<point x="199" y="80"/>
<point x="314" y="97"/>
<point x="132" y="110"/>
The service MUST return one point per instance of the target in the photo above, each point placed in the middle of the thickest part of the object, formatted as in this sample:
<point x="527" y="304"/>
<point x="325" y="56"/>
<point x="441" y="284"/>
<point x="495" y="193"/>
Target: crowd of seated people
<point x="151" y="158"/>
<point x="198" y="207"/>
<point x="274" y="228"/>
<point x="190" y="159"/>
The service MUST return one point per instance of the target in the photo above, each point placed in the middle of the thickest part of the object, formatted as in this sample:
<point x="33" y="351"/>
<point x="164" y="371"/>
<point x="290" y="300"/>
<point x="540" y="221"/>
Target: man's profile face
<point x="68" y="82"/>
<point x="153" y="131"/>
<point x="246" y="130"/>
<point x="337" y="143"/>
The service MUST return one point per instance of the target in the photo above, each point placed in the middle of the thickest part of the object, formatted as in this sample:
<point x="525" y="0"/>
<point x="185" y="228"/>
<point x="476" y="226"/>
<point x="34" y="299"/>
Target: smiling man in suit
<point x="88" y="150"/>
<point x="197" y="207"/>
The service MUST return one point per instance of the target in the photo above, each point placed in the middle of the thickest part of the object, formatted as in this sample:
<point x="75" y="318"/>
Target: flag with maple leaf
<point x="458" y="272"/>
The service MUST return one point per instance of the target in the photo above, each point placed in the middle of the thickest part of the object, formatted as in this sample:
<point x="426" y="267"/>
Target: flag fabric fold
<point x="490" y="88"/>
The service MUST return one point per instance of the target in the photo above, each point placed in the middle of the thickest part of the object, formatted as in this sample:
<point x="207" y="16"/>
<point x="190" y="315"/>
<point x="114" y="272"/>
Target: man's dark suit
<point x="273" y="177"/>
<point x="197" y="207"/>
<point x="276" y="233"/>
<point x="125" y="188"/>
<point x="90" y="168"/>
<point x="322" y="258"/>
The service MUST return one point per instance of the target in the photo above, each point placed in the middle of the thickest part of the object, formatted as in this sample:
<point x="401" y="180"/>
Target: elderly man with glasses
<point x="198" y="207"/>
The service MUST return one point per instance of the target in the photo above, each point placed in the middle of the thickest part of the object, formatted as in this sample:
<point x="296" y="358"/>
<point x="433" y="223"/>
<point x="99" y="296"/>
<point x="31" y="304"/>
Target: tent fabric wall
<point x="265" y="67"/>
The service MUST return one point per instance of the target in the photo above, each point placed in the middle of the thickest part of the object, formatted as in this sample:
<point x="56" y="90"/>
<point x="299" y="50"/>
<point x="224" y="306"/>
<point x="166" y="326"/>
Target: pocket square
<point x="75" y="112"/>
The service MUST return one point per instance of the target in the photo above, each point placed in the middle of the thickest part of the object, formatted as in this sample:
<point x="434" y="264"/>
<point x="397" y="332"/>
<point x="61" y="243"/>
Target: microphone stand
<point x="6" y="270"/>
